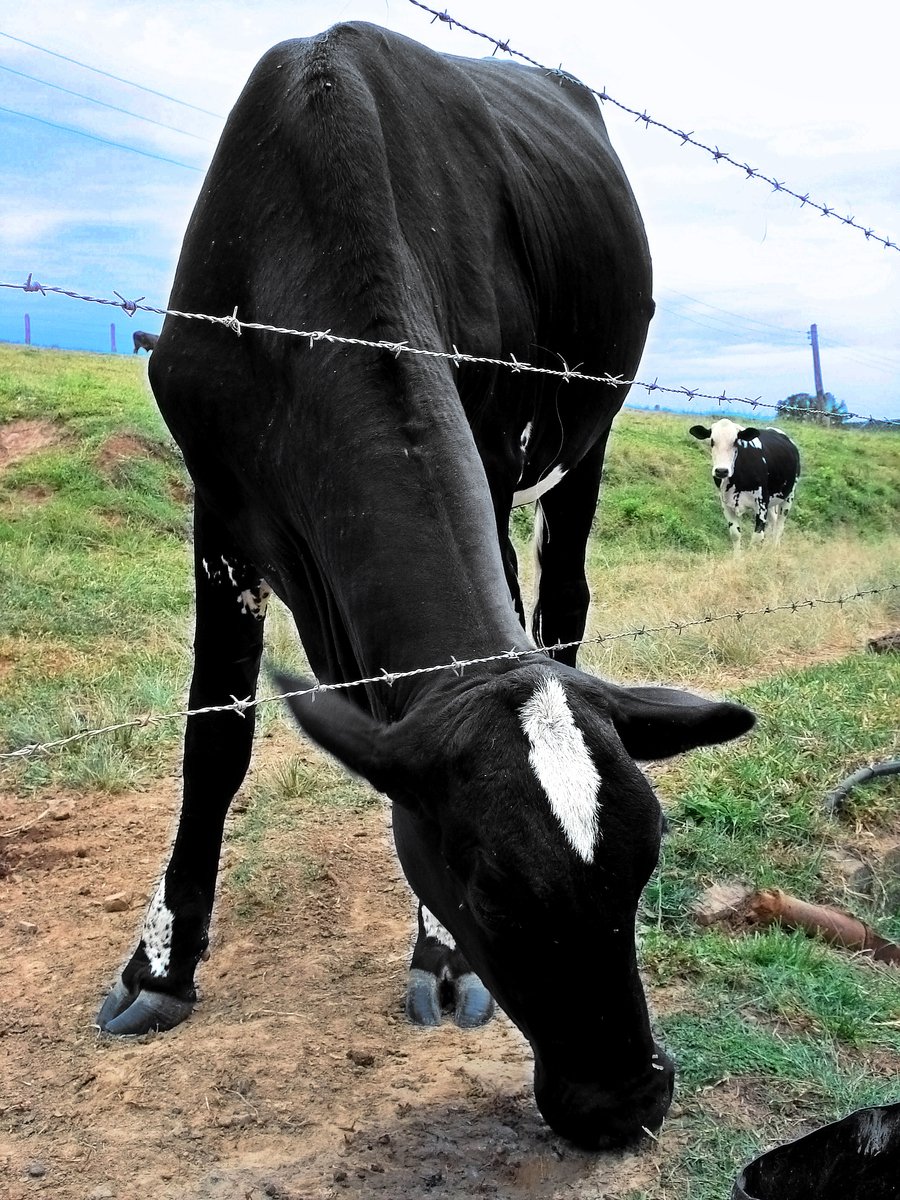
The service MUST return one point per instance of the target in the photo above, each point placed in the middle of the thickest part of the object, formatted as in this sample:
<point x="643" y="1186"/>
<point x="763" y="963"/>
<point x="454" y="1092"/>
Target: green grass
<point x="771" y="1030"/>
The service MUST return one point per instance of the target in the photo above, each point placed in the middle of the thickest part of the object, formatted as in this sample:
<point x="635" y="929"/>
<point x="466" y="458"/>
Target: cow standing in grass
<point x="756" y="472"/>
<point x="369" y="186"/>
<point x="144" y="341"/>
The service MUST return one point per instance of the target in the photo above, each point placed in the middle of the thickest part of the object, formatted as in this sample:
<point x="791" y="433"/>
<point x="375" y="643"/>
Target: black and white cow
<point x="144" y="341"/>
<point x="367" y="185"/>
<point x="756" y="472"/>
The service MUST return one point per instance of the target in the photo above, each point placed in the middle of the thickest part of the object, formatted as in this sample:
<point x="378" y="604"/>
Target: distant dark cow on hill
<point x="144" y="341"/>
<point x="367" y="185"/>
<point x="756" y="471"/>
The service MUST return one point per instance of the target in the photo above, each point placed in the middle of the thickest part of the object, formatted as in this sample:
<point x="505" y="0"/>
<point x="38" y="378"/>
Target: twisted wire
<point x="388" y="678"/>
<point x="565" y="373"/>
<point x="684" y="136"/>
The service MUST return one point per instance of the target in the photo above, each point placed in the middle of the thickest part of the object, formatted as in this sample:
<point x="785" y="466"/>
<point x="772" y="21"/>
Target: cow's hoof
<point x="127" y="1013"/>
<point x="423" y="998"/>
<point x="474" y="1003"/>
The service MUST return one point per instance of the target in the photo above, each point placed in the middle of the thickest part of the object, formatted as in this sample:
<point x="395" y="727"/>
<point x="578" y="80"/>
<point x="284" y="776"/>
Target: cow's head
<point x="524" y="825"/>
<point x="724" y="438"/>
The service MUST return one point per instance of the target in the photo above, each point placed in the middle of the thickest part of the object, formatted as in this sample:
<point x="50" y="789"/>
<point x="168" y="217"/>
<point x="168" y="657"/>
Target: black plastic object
<point x="857" y="1158"/>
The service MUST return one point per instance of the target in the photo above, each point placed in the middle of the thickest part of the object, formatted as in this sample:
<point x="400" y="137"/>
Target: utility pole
<point x="817" y="372"/>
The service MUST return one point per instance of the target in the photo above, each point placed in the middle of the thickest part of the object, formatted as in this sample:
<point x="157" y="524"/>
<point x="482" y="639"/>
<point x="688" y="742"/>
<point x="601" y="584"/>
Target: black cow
<point x="367" y="185"/>
<point x="144" y="341"/>
<point x="756" y="471"/>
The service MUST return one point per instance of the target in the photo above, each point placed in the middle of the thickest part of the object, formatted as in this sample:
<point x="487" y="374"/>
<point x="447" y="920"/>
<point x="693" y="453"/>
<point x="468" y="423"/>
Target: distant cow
<point x="756" y="471"/>
<point x="144" y="341"/>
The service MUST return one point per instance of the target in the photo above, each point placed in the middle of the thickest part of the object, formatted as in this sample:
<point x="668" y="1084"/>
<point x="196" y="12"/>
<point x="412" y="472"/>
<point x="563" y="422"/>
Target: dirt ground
<point x="297" y="1078"/>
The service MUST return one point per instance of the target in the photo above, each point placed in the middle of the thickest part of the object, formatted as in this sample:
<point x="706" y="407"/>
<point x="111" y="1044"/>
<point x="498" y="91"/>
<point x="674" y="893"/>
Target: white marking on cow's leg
<point x="229" y="569"/>
<point x="562" y="762"/>
<point x="529" y="495"/>
<point x="255" y="600"/>
<point x="761" y="520"/>
<point x="157" y="932"/>
<point x="434" y="929"/>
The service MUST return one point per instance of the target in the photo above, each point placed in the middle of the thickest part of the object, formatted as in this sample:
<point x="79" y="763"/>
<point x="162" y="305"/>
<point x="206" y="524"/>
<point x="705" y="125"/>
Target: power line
<point x="739" y="316"/>
<point x="109" y="75"/>
<point x="105" y="141"/>
<point x="727" y="329"/>
<point x="103" y="103"/>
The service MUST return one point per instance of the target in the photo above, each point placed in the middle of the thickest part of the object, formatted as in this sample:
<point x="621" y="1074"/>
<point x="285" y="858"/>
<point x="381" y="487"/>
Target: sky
<point x="803" y="92"/>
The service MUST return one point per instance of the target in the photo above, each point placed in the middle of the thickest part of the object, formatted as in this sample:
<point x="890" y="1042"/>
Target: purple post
<point x="112" y="338"/>
<point x="27" y="330"/>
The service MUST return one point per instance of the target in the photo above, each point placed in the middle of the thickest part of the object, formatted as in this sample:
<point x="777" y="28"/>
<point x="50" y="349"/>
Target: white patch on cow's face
<point x="562" y="762"/>
<point x="434" y="929"/>
<point x="723" y="443"/>
<point x="529" y="495"/>
<point x="525" y="437"/>
<point x="157" y="933"/>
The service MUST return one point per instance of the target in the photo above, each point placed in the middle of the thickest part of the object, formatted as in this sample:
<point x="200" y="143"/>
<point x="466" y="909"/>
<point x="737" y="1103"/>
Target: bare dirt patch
<point x="19" y="439"/>
<point x="122" y="446"/>
<point x="297" y="1077"/>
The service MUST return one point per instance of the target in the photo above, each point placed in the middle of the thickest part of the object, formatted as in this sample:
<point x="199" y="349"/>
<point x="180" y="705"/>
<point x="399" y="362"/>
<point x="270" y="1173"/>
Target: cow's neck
<point x="399" y="521"/>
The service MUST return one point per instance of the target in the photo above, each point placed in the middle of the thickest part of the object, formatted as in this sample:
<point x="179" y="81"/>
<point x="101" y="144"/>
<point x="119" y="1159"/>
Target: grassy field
<point x="770" y="1029"/>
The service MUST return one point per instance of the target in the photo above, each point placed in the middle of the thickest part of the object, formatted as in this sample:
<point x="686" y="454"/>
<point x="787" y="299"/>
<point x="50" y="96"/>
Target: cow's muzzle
<point x="720" y="474"/>
<point x="605" y="1118"/>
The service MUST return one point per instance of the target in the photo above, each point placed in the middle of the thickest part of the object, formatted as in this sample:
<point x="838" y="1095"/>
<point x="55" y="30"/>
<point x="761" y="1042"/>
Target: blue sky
<point x="803" y="92"/>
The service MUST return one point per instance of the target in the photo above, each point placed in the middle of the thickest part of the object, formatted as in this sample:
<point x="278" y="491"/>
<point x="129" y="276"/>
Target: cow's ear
<point x="700" y="431"/>
<point x="747" y="435"/>
<point x="363" y="745"/>
<point x="657" y="722"/>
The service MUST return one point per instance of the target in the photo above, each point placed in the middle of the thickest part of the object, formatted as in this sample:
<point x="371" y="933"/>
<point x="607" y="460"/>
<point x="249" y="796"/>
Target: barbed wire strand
<point x="457" y="357"/>
<point x="684" y="136"/>
<point x="455" y="665"/>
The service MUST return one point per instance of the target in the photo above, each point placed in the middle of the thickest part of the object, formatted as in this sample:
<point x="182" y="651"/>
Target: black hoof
<point x="474" y="1003"/>
<point x="127" y="1013"/>
<point x="423" y="999"/>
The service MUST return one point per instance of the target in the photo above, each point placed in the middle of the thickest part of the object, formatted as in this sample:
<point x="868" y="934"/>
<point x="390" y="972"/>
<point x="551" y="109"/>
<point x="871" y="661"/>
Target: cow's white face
<point x="724" y="437"/>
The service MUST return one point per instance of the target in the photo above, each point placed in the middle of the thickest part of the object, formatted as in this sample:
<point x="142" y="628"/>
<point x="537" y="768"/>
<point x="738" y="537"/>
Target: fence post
<point x="817" y="373"/>
<point x="112" y="338"/>
<point x="27" y="330"/>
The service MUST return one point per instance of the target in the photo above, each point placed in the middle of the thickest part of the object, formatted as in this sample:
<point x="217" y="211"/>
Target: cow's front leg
<point x="156" y="990"/>
<point x="760" y="520"/>
<point x="440" y="978"/>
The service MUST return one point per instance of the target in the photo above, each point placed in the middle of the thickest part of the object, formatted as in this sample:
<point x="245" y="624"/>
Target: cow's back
<point x="367" y="184"/>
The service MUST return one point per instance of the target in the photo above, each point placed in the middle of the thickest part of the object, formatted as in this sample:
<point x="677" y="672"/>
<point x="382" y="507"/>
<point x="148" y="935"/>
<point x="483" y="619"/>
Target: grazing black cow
<point x="756" y="471"/>
<point x="371" y="186"/>
<point x="144" y="341"/>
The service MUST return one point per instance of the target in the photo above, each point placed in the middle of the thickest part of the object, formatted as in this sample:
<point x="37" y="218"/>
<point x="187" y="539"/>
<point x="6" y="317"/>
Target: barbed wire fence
<point x="457" y="357"/>
<point x="684" y="136"/>
<point x="457" y="666"/>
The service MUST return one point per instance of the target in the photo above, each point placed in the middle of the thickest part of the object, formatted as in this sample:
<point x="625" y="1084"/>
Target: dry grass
<point x="678" y="587"/>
